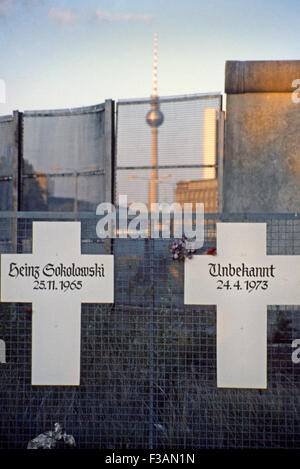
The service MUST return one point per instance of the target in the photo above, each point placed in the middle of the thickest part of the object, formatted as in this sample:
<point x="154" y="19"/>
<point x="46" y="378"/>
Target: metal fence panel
<point x="6" y="163"/>
<point x="181" y="144"/>
<point x="57" y="169"/>
<point x="148" y="363"/>
<point x="57" y="160"/>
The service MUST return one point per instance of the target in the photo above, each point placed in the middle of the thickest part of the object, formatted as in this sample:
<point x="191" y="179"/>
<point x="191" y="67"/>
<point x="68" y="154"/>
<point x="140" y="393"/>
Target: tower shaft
<point x="153" y="192"/>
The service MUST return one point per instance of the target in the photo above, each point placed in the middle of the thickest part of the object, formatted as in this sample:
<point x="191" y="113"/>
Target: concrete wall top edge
<point x="261" y="76"/>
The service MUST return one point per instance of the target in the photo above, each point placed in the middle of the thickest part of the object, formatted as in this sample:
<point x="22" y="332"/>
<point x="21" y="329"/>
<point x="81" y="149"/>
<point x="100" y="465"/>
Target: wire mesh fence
<point x="148" y="362"/>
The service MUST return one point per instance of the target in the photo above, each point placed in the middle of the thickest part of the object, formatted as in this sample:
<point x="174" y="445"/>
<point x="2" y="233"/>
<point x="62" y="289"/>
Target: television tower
<point x="154" y="118"/>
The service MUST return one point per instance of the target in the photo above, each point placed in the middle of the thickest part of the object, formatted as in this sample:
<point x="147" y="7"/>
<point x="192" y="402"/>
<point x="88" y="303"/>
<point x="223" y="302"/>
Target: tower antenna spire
<point x="154" y="118"/>
<point x="154" y="95"/>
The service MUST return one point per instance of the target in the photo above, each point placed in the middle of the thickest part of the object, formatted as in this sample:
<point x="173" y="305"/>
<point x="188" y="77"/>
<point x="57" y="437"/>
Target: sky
<point x="60" y="54"/>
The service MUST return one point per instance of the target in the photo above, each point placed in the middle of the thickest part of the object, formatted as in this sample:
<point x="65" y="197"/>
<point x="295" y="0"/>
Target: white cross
<point x="56" y="296"/>
<point x="242" y="301"/>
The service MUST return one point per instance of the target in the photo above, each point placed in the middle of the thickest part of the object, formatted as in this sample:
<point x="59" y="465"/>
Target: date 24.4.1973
<point x="248" y="285"/>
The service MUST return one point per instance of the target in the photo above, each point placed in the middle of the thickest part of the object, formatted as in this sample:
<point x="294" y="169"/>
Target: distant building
<point x="205" y="191"/>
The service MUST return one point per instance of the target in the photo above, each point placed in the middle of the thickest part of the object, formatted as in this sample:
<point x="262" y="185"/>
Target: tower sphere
<point x="155" y="117"/>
